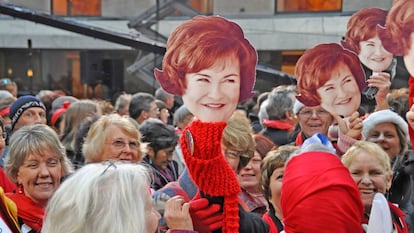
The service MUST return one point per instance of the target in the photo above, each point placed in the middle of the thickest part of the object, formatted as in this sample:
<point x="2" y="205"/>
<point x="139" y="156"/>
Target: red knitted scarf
<point x="201" y="146"/>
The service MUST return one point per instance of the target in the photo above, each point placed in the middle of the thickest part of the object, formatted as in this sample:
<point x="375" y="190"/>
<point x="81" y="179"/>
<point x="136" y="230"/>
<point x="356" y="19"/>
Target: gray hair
<point x="280" y="101"/>
<point x="34" y="139"/>
<point x="180" y="114"/>
<point x="109" y="197"/>
<point x="161" y="94"/>
<point x="140" y="102"/>
<point x="122" y="102"/>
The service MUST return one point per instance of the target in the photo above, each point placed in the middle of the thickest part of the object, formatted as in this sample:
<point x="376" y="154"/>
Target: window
<point x="308" y="5"/>
<point x="76" y="7"/>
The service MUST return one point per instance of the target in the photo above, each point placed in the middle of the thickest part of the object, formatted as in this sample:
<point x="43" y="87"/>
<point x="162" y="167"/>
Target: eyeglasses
<point x="232" y="154"/>
<point x="308" y="113"/>
<point x="4" y="135"/>
<point x="119" y="144"/>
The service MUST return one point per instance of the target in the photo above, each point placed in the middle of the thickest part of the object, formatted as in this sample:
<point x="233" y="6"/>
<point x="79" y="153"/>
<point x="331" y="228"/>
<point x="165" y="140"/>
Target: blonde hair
<point x="238" y="135"/>
<point x="34" y="139"/>
<point x="370" y="148"/>
<point x="97" y="135"/>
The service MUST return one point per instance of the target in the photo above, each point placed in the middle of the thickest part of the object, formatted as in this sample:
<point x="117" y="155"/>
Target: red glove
<point x="206" y="217"/>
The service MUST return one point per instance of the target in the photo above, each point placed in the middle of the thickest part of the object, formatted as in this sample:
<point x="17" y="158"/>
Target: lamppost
<point x="30" y="76"/>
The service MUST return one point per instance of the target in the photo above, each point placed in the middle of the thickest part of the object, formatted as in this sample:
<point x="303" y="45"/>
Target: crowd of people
<point x="330" y="154"/>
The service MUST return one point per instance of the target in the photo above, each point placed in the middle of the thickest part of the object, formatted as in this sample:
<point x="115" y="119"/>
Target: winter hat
<point x="21" y="104"/>
<point x="297" y="106"/>
<point x="6" y="99"/>
<point x="5" y="95"/>
<point x="58" y="102"/>
<point x="318" y="189"/>
<point x="59" y="112"/>
<point x="383" y="116"/>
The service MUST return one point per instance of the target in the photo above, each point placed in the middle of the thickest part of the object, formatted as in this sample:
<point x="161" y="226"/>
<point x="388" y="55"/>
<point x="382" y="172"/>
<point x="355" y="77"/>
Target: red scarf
<point x="278" y="124"/>
<point x="31" y="213"/>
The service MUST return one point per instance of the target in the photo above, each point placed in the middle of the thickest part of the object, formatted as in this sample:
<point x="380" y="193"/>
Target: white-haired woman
<point x="112" y="196"/>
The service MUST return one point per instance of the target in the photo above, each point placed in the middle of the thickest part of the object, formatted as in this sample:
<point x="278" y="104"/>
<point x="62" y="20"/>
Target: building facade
<point x="89" y="67"/>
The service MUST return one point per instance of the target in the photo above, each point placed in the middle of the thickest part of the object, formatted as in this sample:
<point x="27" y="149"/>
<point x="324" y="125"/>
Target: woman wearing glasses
<point x="161" y="141"/>
<point x="112" y="137"/>
<point x="316" y="119"/>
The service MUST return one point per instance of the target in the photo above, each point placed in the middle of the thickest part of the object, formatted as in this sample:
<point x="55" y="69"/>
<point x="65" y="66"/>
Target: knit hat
<point x="21" y="104"/>
<point x="59" y="112"/>
<point x="319" y="195"/>
<point x="383" y="116"/>
<point x="297" y="106"/>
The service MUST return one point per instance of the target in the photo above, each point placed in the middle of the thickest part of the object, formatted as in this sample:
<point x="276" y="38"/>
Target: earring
<point x="19" y="188"/>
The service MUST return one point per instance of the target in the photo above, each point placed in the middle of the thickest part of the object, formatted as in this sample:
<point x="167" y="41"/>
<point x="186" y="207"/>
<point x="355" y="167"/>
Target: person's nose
<point x="380" y="138"/>
<point x="314" y="114"/>
<point x="43" y="170"/>
<point x="380" y="50"/>
<point x="341" y="92"/>
<point x="366" y="179"/>
<point x="215" y="90"/>
<point x="38" y="118"/>
<point x="127" y="148"/>
<point x="249" y="165"/>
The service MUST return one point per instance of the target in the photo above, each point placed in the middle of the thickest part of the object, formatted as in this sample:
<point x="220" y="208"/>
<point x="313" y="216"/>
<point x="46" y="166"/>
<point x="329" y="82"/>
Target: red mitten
<point x="206" y="217"/>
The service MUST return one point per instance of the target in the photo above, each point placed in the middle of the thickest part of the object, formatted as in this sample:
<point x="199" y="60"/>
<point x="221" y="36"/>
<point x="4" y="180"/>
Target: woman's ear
<point x="150" y="152"/>
<point x="289" y="115"/>
<point x="167" y="83"/>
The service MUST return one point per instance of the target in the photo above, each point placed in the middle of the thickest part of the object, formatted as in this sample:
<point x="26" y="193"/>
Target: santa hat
<point x="384" y="116"/>
<point x="319" y="195"/>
